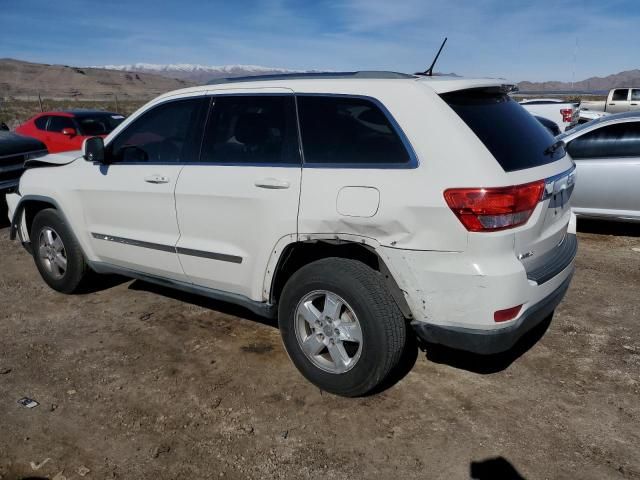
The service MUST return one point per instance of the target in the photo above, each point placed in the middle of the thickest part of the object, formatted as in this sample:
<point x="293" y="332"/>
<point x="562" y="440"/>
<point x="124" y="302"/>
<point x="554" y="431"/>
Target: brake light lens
<point x="493" y="209"/>
<point x="507" y="314"/>
<point x="567" y="114"/>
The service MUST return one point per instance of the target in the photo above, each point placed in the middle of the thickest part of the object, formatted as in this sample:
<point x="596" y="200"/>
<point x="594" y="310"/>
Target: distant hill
<point x="204" y="73"/>
<point x="18" y="78"/>
<point x="199" y="73"/>
<point x="629" y="78"/>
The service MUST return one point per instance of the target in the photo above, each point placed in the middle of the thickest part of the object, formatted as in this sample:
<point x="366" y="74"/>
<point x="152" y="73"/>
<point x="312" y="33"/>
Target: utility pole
<point x="40" y="102"/>
<point x="117" y="108"/>
<point x="575" y="56"/>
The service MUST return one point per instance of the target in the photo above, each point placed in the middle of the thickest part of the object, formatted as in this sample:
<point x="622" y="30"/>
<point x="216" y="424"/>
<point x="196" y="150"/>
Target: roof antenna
<point x="429" y="71"/>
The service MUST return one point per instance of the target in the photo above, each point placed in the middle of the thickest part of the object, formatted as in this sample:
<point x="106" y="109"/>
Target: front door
<point x="242" y="197"/>
<point x="55" y="140"/>
<point x="619" y="101"/>
<point x="129" y="203"/>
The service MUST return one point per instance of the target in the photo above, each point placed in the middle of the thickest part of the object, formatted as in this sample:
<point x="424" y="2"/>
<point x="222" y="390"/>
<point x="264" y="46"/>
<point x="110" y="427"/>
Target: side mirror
<point x="69" y="132"/>
<point x="93" y="149"/>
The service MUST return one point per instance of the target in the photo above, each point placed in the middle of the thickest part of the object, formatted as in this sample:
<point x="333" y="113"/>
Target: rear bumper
<point x="495" y="340"/>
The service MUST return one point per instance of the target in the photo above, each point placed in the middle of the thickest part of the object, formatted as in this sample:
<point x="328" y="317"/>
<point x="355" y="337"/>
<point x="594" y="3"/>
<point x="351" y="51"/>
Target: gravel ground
<point x="135" y="381"/>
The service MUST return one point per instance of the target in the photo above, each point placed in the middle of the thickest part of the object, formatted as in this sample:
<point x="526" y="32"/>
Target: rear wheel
<point x="57" y="255"/>
<point x="340" y="326"/>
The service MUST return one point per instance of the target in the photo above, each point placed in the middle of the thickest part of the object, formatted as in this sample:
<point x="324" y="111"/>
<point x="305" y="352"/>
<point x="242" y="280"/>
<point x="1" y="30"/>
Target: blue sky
<point x="516" y="39"/>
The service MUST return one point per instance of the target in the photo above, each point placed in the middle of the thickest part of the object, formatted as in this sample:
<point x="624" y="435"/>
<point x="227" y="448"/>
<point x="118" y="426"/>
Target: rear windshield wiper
<point x="551" y="149"/>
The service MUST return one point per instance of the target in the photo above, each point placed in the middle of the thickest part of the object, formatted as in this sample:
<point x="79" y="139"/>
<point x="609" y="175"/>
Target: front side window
<point x="348" y="130"/>
<point x="612" y="141"/>
<point x="168" y="133"/>
<point x="620" y="95"/>
<point x="251" y="129"/>
<point x="57" y="124"/>
<point x="635" y="95"/>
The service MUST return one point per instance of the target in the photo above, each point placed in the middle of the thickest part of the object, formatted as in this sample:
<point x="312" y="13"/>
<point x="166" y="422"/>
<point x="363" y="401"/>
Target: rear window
<point x="512" y="135"/>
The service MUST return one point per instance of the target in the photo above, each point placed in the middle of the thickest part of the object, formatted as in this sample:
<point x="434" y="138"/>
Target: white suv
<point x="351" y="206"/>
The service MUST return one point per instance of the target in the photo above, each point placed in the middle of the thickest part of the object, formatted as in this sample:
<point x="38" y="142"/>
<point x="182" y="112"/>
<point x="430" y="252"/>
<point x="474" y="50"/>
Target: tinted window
<point x="635" y="94"/>
<point x="619" y="140"/>
<point x="57" y="124"/>
<point x="346" y="130"/>
<point x="251" y="130"/>
<point x="41" y="123"/>
<point x="103" y="124"/>
<point x="167" y="133"/>
<point x="512" y="135"/>
<point x="620" y="95"/>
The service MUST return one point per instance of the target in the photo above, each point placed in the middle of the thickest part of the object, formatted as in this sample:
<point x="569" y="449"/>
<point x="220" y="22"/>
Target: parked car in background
<point x="589" y="115"/>
<point x="564" y="114"/>
<point x="454" y="223"/>
<point x="14" y="151"/>
<point x="618" y="100"/>
<point x="607" y="155"/>
<point x="66" y="130"/>
<point x="553" y="127"/>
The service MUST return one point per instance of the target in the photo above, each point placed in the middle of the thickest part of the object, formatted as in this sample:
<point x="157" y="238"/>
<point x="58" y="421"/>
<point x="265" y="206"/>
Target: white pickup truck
<point x="564" y="114"/>
<point x="619" y="100"/>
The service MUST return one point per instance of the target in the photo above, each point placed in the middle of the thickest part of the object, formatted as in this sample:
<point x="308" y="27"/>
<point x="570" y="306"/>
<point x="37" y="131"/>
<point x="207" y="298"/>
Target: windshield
<point x="98" y="124"/>
<point x="512" y="135"/>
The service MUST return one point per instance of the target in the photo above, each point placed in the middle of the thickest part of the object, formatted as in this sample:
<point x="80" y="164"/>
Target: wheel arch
<point x="290" y="255"/>
<point x="26" y="210"/>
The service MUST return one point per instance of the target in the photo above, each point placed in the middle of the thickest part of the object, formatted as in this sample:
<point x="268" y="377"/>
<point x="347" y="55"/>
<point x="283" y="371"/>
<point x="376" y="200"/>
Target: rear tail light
<point x="507" y="314"/>
<point x="492" y="209"/>
<point x="567" y="114"/>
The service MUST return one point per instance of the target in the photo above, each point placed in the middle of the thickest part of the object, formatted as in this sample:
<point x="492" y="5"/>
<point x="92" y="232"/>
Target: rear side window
<point x="620" y="95"/>
<point x="252" y="129"/>
<point x="512" y="135"/>
<point x="57" y="124"/>
<point x="167" y="133"/>
<point x="41" y="123"/>
<point x="619" y="140"/>
<point x="348" y="130"/>
<point x="635" y="94"/>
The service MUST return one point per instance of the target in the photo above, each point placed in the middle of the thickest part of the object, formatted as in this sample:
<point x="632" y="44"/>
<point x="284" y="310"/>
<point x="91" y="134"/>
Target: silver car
<point x="607" y="155"/>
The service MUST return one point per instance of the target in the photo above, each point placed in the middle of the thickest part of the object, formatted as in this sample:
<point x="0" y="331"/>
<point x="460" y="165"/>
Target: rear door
<point x="608" y="160"/>
<point x="241" y="197"/>
<point x="619" y="101"/>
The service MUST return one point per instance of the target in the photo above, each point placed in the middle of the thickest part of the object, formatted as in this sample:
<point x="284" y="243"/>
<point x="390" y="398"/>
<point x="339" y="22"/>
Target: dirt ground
<point x="139" y="382"/>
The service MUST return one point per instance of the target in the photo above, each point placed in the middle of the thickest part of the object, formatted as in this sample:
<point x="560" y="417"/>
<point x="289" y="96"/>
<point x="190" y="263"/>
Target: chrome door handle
<point x="272" y="184"/>
<point x="156" y="179"/>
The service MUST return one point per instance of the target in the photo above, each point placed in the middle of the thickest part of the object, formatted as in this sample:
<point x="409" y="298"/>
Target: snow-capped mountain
<point x="198" y="73"/>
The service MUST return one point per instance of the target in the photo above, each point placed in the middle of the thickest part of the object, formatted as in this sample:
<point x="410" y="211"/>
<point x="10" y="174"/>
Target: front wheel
<point x="56" y="252"/>
<point x="341" y="326"/>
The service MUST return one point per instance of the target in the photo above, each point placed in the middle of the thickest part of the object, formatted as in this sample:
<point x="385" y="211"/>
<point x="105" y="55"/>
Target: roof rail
<point x="311" y="75"/>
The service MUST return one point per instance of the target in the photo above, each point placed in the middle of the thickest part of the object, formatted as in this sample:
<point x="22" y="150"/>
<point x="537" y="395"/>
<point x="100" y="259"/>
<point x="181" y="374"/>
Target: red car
<point x="62" y="131"/>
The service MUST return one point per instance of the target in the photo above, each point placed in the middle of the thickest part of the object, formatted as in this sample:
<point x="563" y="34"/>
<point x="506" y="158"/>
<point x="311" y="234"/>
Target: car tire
<point x="56" y="252"/>
<point x="321" y="337"/>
